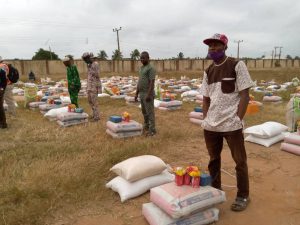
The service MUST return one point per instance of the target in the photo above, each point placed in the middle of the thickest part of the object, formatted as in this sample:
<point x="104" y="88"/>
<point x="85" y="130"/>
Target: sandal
<point x="240" y="204"/>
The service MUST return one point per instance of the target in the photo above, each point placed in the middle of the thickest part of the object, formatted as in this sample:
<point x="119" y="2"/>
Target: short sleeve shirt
<point x="222" y="84"/>
<point x="93" y="79"/>
<point x="146" y="74"/>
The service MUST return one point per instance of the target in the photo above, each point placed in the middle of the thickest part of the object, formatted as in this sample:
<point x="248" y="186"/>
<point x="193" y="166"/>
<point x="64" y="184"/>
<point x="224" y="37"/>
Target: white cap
<point x="66" y="59"/>
<point x="1" y="60"/>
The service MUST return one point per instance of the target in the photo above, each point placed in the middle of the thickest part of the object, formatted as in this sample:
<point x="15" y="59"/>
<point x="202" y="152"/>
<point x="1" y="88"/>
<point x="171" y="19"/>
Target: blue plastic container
<point x="166" y="99"/>
<point x="115" y="119"/>
<point x="79" y="110"/>
<point x="198" y="109"/>
<point x="205" y="179"/>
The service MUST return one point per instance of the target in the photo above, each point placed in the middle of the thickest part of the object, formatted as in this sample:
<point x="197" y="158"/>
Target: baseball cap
<point x="217" y="37"/>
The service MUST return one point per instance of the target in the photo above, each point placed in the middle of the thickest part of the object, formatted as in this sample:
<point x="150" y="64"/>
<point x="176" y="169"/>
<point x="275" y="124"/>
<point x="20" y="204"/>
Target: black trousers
<point x="2" y="112"/>
<point x="235" y="140"/>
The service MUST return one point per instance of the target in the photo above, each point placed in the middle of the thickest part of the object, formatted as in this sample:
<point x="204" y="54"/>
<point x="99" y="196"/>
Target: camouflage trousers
<point x="93" y="101"/>
<point x="148" y="113"/>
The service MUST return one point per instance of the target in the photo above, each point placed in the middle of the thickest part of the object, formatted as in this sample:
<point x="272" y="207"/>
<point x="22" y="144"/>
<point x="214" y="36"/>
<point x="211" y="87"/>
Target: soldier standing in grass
<point x="93" y="84"/>
<point x="74" y="84"/>
<point x="225" y="90"/>
<point x="145" y="90"/>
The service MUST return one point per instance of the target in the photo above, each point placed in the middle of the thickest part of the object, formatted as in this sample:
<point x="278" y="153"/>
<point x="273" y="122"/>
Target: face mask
<point x="216" y="56"/>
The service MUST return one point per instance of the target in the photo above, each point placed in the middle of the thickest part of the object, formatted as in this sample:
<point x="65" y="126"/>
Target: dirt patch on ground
<point x="274" y="186"/>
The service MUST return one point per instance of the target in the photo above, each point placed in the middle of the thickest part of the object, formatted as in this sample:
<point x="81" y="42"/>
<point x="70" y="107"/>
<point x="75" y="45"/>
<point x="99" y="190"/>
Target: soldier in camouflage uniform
<point x="93" y="84"/>
<point x="145" y="90"/>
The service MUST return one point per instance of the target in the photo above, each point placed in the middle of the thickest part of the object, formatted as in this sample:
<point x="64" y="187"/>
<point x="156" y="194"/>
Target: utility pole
<point x="238" y="50"/>
<point x="280" y="52"/>
<point x="50" y="53"/>
<point x="117" y="30"/>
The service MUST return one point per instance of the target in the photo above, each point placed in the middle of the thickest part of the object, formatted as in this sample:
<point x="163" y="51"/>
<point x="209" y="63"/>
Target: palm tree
<point x="135" y="54"/>
<point x="102" y="55"/>
<point x="117" y="55"/>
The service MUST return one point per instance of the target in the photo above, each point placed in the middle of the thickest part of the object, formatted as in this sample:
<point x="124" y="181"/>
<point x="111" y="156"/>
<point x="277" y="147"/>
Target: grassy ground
<point x="46" y="169"/>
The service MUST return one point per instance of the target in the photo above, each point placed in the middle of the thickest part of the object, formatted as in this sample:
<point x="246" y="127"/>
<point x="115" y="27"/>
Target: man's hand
<point x="148" y="98"/>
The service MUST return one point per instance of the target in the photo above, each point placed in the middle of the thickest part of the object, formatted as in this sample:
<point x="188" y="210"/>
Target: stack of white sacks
<point x="137" y="175"/>
<point x="130" y="100"/>
<point x="291" y="143"/>
<point x="189" y="95"/>
<point x="66" y="119"/>
<point x="122" y="129"/>
<point x="196" y="116"/>
<point x="171" y="204"/>
<point x="170" y="105"/>
<point x="266" y="134"/>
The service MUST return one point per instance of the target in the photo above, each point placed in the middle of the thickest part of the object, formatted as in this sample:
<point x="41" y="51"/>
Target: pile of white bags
<point x="171" y="105"/>
<point x="124" y="129"/>
<point x="66" y="119"/>
<point x="265" y="134"/>
<point x="272" y="98"/>
<point x="199" y="99"/>
<point x="172" y="204"/>
<point x="137" y="175"/>
<point x="131" y="101"/>
<point x="35" y="105"/>
<point x="189" y="95"/>
<point x="53" y="113"/>
<point x="196" y="117"/>
<point x="291" y="143"/>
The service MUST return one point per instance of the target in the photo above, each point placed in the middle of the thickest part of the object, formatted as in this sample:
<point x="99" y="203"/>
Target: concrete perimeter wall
<point x="48" y="67"/>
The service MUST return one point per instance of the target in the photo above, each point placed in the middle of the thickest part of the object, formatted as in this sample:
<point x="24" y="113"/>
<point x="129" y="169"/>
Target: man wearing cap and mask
<point x="74" y="84"/>
<point x="93" y="84"/>
<point x="225" y="90"/>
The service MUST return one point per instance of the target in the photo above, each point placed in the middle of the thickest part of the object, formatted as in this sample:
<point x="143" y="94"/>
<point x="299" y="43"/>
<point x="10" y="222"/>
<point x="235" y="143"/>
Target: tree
<point x="117" y="55"/>
<point x="102" y="55"/>
<point x="297" y="57"/>
<point x="42" y="54"/>
<point x="289" y="57"/>
<point x="180" y="55"/>
<point x="135" y="54"/>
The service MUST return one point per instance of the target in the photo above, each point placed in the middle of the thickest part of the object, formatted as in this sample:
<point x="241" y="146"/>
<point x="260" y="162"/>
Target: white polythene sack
<point x="124" y="126"/>
<point x="155" y="216"/>
<point x="52" y="113"/>
<point x="267" y="142"/>
<point x="126" y="134"/>
<point x="139" y="167"/>
<point x="266" y="130"/>
<point x="128" y="190"/>
<point x="181" y="201"/>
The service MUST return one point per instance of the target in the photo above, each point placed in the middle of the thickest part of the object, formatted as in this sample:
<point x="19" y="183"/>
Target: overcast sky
<point x="162" y="27"/>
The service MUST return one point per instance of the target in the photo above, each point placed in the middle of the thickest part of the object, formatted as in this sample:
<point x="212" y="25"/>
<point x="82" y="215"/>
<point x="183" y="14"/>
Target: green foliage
<point x="289" y="57"/>
<point x="102" y="55"/>
<point x="180" y="55"/>
<point x="117" y="55"/>
<point x="42" y="54"/>
<point x="135" y="54"/>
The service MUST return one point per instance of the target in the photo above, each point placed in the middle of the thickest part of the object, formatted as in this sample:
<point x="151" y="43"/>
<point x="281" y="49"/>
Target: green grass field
<point x="47" y="169"/>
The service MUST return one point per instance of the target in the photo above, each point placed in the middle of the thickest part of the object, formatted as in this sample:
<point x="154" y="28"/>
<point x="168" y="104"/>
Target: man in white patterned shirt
<point x="225" y="90"/>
